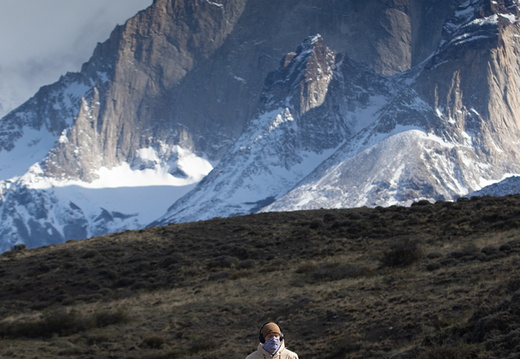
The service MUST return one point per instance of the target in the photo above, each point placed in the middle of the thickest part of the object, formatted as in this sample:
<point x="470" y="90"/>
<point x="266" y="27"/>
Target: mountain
<point x="196" y="108"/>
<point x="508" y="186"/>
<point x="433" y="132"/>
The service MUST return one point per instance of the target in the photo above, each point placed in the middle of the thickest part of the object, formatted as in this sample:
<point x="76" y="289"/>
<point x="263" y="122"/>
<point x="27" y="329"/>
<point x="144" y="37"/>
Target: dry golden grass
<point x="430" y="281"/>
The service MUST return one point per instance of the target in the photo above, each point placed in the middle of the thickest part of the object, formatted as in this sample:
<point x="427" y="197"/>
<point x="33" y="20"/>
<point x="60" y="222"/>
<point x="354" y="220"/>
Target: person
<point x="272" y="344"/>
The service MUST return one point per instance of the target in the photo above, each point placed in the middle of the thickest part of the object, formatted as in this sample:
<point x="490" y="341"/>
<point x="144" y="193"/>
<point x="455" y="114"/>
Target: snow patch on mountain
<point x="469" y="23"/>
<point x="28" y="149"/>
<point x="265" y="162"/>
<point x="140" y="182"/>
<point x="29" y="133"/>
<point x="379" y="170"/>
<point x="119" y="199"/>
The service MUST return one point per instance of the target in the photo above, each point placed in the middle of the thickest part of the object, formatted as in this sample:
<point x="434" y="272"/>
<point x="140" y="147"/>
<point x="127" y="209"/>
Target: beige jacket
<point x="282" y="353"/>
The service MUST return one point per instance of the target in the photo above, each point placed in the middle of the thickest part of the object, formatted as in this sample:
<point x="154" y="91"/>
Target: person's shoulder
<point x="290" y="354"/>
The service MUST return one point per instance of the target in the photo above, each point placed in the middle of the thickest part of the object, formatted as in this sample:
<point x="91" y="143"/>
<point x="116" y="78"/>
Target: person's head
<point x="270" y="330"/>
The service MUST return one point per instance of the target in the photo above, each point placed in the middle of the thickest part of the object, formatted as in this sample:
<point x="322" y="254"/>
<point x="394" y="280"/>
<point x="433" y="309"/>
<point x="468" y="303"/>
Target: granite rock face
<point x="435" y="131"/>
<point x="190" y="72"/>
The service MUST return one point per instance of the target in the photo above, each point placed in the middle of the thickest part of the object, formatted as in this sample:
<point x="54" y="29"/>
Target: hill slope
<point x="426" y="281"/>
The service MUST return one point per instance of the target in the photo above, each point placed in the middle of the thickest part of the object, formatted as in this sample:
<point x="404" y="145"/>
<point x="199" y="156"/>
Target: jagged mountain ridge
<point x="298" y="127"/>
<point x="177" y="84"/>
<point x="456" y="151"/>
<point x="420" y="145"/>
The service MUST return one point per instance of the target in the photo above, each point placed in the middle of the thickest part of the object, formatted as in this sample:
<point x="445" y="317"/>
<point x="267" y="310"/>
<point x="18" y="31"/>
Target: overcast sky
<point x="43" y="39"/>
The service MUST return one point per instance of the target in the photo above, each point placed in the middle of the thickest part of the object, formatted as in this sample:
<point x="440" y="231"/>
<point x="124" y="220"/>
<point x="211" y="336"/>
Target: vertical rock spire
<point x="303" y="77"/>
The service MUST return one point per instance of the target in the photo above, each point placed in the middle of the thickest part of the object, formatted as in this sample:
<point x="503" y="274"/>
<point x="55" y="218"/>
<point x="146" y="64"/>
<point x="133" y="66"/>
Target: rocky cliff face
<point x="147" y="59"/>
<point x="450" y="130"/>
<point x="190" y="72"/>
<point x="393" y="101"/>
<point x="471" y="83"/>
<point x="279" y="146"/>
<point x="429" y="132"/>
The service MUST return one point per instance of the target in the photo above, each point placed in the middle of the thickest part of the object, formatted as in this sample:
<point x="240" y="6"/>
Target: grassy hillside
<point x="428" y="281"/>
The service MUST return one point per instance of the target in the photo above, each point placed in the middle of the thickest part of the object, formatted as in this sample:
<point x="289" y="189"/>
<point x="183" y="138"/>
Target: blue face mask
<point x="272" y="345"/>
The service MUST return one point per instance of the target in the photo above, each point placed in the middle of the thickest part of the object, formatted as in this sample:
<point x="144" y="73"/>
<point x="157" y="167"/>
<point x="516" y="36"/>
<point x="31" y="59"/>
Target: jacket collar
<point x="268" y="355"/>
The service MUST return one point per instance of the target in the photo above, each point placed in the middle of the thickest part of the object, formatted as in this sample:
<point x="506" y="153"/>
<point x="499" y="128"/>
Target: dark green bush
<point x="153" y="342"/>
<point x="110" y="317"/>
<point x="422" y="202"/>
<point x="402" y="253"/>
<point x="19" y="247"/>
<point x="433" y="266"/>
<point x="218" y="276"/>
<point x="315" y="224"/>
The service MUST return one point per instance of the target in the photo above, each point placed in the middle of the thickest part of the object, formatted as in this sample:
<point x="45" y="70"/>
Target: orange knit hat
<point x="271" y="328"/>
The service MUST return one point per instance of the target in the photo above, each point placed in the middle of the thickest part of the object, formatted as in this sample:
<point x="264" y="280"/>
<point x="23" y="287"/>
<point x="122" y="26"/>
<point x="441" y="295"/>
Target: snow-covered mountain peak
<point x="187" y="110"/>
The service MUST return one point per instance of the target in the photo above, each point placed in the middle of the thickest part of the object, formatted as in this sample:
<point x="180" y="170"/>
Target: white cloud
<point x="43" y="39"/>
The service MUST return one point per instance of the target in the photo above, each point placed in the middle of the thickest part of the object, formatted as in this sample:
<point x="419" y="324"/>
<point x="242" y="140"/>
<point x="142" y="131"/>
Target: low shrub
<point x="19" y="247"/>
<point x="315" y="224"/>
<point x="345" y="345"/>
<point x="60" y="322"/>
<point x="105" y="318"/>
<point x="337" y="271"/>
<point x="246" y="264"/>
<point x="202" y="346"/>
<point x="223" y="262"/>
<point x="402" y="253"/>
<point x="97" y="339"/>
<point x="307" y="267"/>
<point x="218" y="276"/>
<point x="153" y="342"/>
<point x="433" y="266"/>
